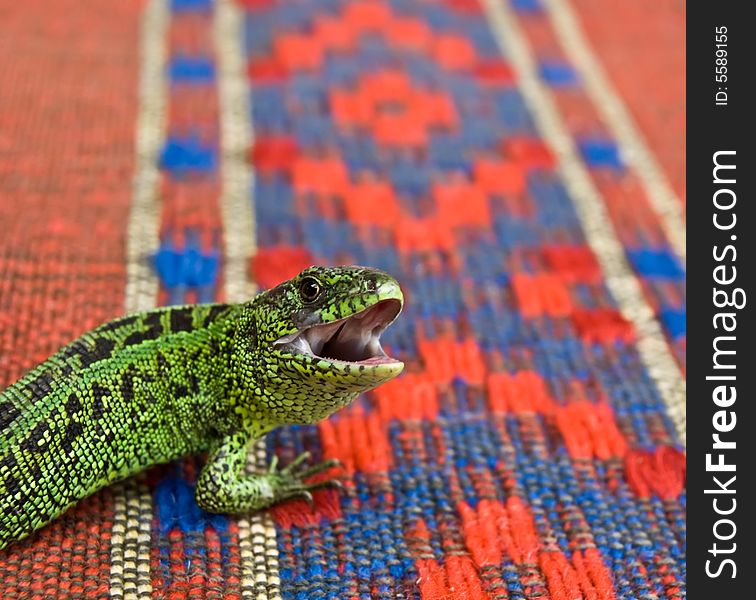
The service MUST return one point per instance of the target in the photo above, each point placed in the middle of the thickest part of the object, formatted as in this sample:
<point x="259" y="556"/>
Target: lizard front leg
<point x="223" y="487"/>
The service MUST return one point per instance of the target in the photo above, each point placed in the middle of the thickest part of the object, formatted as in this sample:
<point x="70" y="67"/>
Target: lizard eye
<point x="309" y="289"/>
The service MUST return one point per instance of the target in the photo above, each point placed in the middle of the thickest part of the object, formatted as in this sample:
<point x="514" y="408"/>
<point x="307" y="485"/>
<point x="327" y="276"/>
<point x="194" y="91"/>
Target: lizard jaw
<point x="352" y="340"/>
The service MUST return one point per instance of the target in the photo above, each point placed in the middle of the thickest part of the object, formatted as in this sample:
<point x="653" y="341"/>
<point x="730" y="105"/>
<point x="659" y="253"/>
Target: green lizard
<point x="152" y="387"/>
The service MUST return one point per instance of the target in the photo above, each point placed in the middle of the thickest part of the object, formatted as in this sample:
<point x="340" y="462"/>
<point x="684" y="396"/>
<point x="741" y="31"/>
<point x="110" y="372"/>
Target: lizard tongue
<point x="354" y="339"/>
<point x="351" y="342"/>
<point x="378" y="360"/>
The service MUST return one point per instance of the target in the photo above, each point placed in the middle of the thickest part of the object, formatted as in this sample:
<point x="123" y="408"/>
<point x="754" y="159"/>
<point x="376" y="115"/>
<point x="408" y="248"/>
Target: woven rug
<point x="518" y="165"/>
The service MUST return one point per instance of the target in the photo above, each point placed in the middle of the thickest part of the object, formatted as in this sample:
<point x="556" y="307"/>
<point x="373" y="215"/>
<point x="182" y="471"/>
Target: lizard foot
<point x="289" y="482"/>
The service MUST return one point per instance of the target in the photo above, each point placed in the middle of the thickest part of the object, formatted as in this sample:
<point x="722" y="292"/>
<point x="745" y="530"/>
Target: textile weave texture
<point x="177" y="151"/>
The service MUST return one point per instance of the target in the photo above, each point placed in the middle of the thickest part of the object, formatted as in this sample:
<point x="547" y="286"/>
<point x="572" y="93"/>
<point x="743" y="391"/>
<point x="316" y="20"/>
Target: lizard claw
<point x="292" y="467"/>
<point x="307" y="497"/>
<point x="328" y="483"/>
<point x="290" y="481"/>
<point x="319" y="468"/>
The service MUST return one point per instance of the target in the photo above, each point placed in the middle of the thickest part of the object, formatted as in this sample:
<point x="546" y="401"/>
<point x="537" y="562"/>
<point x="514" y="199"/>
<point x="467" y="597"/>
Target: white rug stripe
<point x="634" y="150"/>
<point x="130" y="543"/>
<point x="257" y="543"/>
<point x="257" y="533"/>
<point x="236" y="137"/>
<point x="620" y="278"/>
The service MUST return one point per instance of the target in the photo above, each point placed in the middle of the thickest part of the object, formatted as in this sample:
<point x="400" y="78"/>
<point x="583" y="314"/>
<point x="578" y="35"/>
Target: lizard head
<point x="318" y="339"/>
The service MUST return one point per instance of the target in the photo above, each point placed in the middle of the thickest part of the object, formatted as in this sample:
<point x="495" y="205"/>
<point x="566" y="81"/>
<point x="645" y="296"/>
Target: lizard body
<point x="149" y="388"/>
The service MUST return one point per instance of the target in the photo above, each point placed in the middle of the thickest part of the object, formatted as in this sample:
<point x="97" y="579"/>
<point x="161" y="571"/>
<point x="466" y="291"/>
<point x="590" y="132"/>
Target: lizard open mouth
<point x="354" y="339"/>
